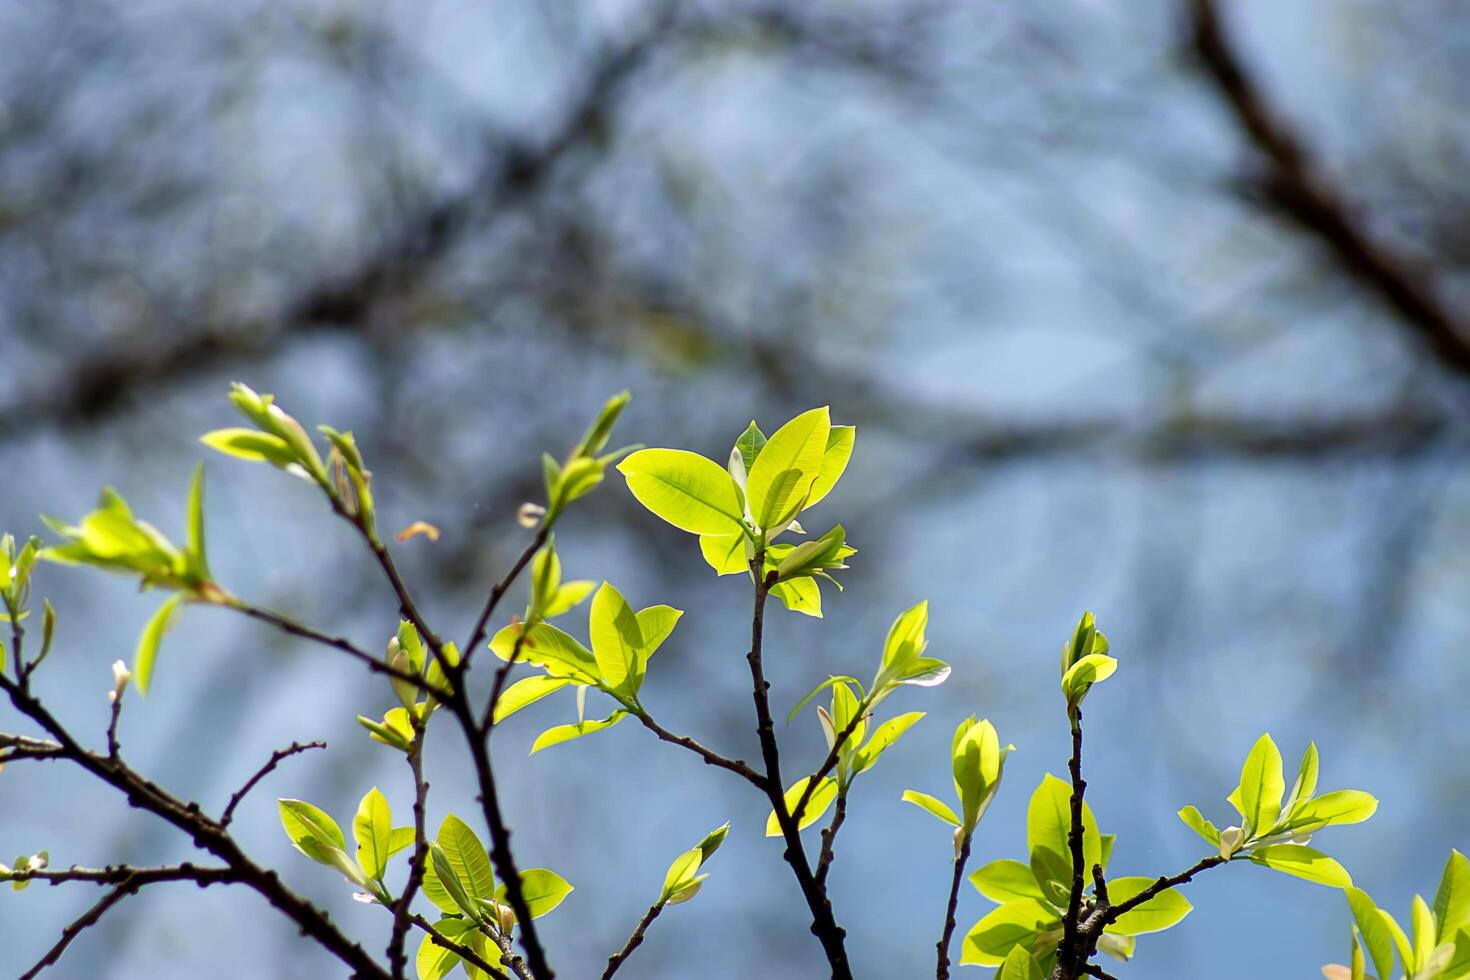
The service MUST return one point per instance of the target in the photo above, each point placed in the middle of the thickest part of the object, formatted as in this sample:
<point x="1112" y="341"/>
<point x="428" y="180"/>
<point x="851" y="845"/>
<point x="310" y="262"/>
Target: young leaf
<point x="686" y="489"/>
<point x="565" y="733"/>
<point x="1019" y="965"/>
<point x="1086" y="672"/>
<point x="934" y="806"/>
<point x="1376" y="934"/>
<point x="1261" y="786"/>
<point x="248" y="444"/>
<point x="1306" y="779"/>
<point x="783" y="473"/>
<point x="655" y="623"/>
<point x="526" y="691"/>
<point x="750" y="444"/>
<point x="435" y="962"/>
<point x="312" y="831"/>
<point x="195" y="542"/>
<point x="1165" y="909"/>
<point x="1197" y="823"/>
<point x="546" y="646"/>
<point x="834" y="462"/>
<point x="544" y="890"/>
<point x="884" y="736"/>
<point x="1452" y="899"/>
<point x="147" y="650"/>
<point x="1302" y="862"/>
<point x="616" y="639"/>
<point x="1013" y="924"/>
<point x="446" y="889"/>
<point x="373" y="830"/>
<point x="817" y="805"/>
<point x="725" y="553"/>
<point x="466" y="855"/>
<point x="801" y="595"/>
<point x="1005" y="881"/>
<point x="682" y="873"/>
<point x="1049" y="821"/>
<point x="1344" y="806"/>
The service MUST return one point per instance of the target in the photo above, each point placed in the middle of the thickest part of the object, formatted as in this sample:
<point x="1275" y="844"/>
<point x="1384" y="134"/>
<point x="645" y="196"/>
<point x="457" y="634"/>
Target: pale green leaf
<point x="935" y="806"/>
<point x="197" y="551"/>
<point x="546" y="646"/>
<point x="750" y="444"/>
<point x="565" y="733"/>
<point x="544" y="890"/>
<point x="1303" y="862"/>
<point x="147" y="650"/>
<point x="834" y="462"/>
<point x="467" y="857"/>
<point x="1005" y="881"/>
<point x="1013" y="924"/>
<point x="526" y="691"/>
<point x="434" y="961"/>
<point x="616" y="640"/>
<point x="656" y="623"/>
<point x="725" y="553"/>
<point x="687" y="490"/>
<point x="1452" y="898"/>
<point x="1019" y="965"/>
<point x="1196" y="822"/>
<point x="1345" y="806"/>
<point x="800" y="595"/>
<point x="1306" y="779"/>
<point x="372" y="828"/>
<point x="258" y="447"/>
<point x="1086" y="672"/>
<point x="1049" y="820"/>
<point x="817" y="805"/>
<point x="1376" y="934"/>
<point x="311" y="831"/>
<point x="783" y="473"/>
<point x="1261" y="786"/>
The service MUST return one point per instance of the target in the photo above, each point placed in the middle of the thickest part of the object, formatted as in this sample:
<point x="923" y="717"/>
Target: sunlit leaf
<point x="1303" y="862"/>
<point x="565" y="733"/>
<point x="687" y="490"/>
<point x="1013" y="924"/>
<point x="817" y="805"/>
<point x="152" y="635"/>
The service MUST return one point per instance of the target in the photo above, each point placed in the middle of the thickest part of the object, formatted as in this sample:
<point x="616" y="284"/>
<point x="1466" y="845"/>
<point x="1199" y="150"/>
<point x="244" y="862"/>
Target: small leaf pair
<point x="684" y="877"/>
<point x="977" y="761"/>
<point x="314" y="833"/>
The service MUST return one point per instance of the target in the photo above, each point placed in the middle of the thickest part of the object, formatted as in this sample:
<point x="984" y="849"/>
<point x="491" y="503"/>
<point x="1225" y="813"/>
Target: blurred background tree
<point x="1161" y="308"/>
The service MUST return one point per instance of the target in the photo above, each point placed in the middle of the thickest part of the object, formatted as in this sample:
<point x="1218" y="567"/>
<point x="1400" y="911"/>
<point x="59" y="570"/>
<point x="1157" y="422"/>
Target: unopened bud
<point x="505" y="917"/>
<point x="959" y="841"/>
<point x="529" y="516"/>
<point x="120" y="677"/>
<point x="38" y="861"/>
<point x="1230" y="839"/>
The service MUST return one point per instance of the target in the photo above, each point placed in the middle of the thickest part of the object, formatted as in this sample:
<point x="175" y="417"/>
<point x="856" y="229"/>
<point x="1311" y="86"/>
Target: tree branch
<point x="1298" y="187"/>
<point x="634" y="941"/>
<point x="277" y="757"/>
<point x="824" y="925"/>
<point x="829" y="838"/>
<point x="710" y="757"/>
<point x="464" y="952"/>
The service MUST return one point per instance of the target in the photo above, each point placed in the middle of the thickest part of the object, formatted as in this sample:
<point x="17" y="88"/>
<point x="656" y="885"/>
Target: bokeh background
<point x="1156" y="308"/>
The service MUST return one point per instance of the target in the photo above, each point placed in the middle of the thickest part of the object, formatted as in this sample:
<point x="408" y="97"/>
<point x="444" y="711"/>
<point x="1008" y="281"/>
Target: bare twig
<point x="829" y="839"/>
<point x="634" y="941"/>
<point x="941" y="971"/>
<point x="709" y="756"/>
<point x="1162" y="884"/>
<point x="1071" y="956"/>
<point x="417" y="862"/>
<point x="277" y="757"/>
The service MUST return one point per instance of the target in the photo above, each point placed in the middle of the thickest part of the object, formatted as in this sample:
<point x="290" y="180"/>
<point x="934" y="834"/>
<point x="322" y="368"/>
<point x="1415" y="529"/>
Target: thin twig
<point x="497" y="592"/>
<point x="941" y="971"/>
<point x="1069" y="956"/>
<point x="1093" y="970"/>
<point x="710" y="757"/>
<point x="634" y="941"/>
<point x="829" y="839"/>
<point x="828" y="764"/>
<point x="112" y="746"/>
<point x="277" y="757"/>
<point x="1162" y="884"/>
<point x="418" y="860"/>
<point x="75" y="928"/>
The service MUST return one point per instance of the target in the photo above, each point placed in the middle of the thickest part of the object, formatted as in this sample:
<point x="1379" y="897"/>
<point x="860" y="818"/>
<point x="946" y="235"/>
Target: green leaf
<point x="616" y="640"/>
<point x="1306" y="779"/>
<point x="1165" y="909"/>
<point x="750" y="444"/>
<point x="686" y="489"/>
<point x="905" y="641"/>
<point x="196" y="545"/>
<point x="526" y="691"/>
<point x="248" y="444"/>
<point x="1086" y="672"/>
<point x="937" y="807"/>
<point x="435" y="962"/>
<point x="834" y="679"/>
<point x="1377" y="936"/>
<point x="682" y="873"/>
<point x="1006" y="881"/>
<point x="1049" y="820"/>
<point x="1452" y="899"/>
<point x="147" y="650"/>
<point x="400" y="838"/>
<point x="565" y="733"/>
<point x="800" y="595"/>
<point x="1019" y="965"/>
<point x="1261" y="786"/>
<point x="1302" y="862"/>
<point x="883" y="736"/>
<point x="655" y="624"/>
<point x="782" y="475"/>
<point x="834" y="462"/>
<point x="312" y="831"/>
<point x="1423" y="924"/>
<point x="602" y="426"/>
<point x="543" y="890"/>
<point x="817" y="805"/>
<point x="1052" y="871"/>
<point x="372" y="828"/>
<point x="548" y="647"/>
<point x="1013" y="924"/>
<point x="1196" y="822"/>
<point x="460" y="865"/>
<point x="1345" y="806"/>
<point x="725" y="553"/>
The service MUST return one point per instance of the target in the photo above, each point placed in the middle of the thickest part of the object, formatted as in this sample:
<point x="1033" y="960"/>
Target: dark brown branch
<point x="941" y="971"/>
<point x="112" y="746"/>
<point x="1070" y="955"/>
<point x="492" y="601"/>
<point x="277" y="757"/>
<point x="634" y="941"/>
<point x="464" y="952"/>
<point x="126" y="875"/>
<point x="828" y="764"/>
<point x="709" y="756"/>
<point x="83" y="922"/>
<point x="417" y="861"/>
<point x="1163" y="884"/>
<point x="1092" y="970"/>
<point x="824" y="924"/>
<point x="1296" y="185"/>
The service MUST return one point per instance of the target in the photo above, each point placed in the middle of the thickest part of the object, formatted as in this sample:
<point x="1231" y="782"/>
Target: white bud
<point x="120" y="677"/>
<point x="38" y="861"/>
<point x="363" y="897"/>
<point x="1230" y="840"/>
<point x="959" y="841"/>
<point x="529" y="516"/>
